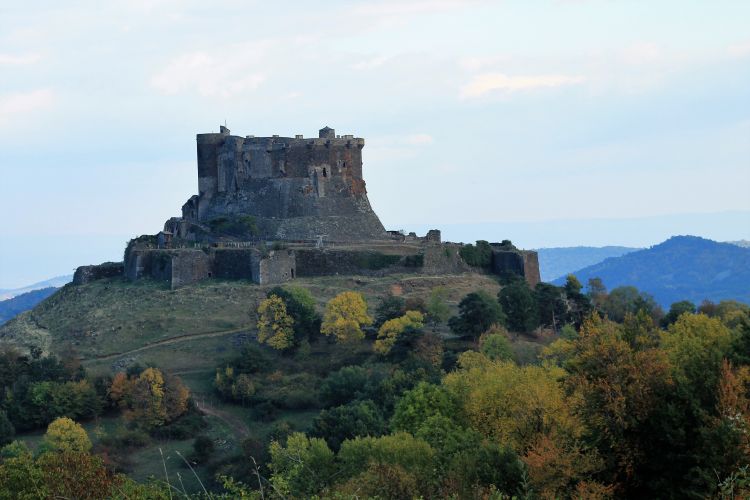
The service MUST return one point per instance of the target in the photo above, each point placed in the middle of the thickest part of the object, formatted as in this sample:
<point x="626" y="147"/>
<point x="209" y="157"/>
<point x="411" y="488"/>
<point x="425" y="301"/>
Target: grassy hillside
<point x="114" y="323"/>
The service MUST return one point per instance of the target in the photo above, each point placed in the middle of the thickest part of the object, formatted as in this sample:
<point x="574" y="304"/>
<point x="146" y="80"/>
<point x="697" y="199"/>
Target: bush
<point x="203" y="448"/>
<point x="477" y="256"/>
<point x="495" y="345"/>
<point x="361" y="418"/>
<point x="343" y="386"/>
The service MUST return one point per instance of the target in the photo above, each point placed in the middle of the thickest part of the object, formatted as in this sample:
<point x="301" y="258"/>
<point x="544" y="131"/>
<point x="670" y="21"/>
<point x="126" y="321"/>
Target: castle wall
<point x="327" y="262"/>
<point x="531" y="267"/>
<point x="444" y="259"/>
<point x="278" y="266"/>
<point x="87" y="274"/>
<point x="235" y="263"/>
<point x="521" y="262"/>
<point x="187" y="267"/>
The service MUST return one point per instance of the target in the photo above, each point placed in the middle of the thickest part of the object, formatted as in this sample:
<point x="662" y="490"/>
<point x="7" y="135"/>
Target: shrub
<point x="477" y="256"/>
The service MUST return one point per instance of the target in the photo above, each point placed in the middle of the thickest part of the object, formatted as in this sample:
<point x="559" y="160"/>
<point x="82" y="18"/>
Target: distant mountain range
<point x="56" y="282"/>
<point x="560" y="261"/>
<point x="10" y="308"/>
<point x="681" y="268"/>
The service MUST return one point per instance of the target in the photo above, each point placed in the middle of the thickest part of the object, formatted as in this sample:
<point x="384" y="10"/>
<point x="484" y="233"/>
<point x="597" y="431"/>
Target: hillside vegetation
<point x="112" y="323"/>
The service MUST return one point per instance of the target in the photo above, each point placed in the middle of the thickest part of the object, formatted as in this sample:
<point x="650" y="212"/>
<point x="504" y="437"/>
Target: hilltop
<point x="112" y="323"/>
<point x="681" y="268"/>
<point x="558" y="262"/>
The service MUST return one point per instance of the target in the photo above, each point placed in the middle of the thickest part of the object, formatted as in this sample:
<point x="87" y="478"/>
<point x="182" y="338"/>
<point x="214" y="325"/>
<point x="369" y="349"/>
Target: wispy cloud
<point x="739" y="49"/>
<point x="13" y="105"/>
<point x="486" y="83"/>
<point x="18" y="59"/>
<point x="223" y="74"/>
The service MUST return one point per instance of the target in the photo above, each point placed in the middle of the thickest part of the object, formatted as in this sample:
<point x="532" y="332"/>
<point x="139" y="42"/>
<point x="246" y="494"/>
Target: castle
<point x="271" y="209"/>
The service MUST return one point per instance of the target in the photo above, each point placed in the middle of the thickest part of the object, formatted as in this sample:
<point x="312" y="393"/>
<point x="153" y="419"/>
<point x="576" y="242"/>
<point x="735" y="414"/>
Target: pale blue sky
<point x="622" y="122"/>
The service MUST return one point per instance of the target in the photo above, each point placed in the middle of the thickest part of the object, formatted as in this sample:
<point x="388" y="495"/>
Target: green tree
<point x="7" y="431"/>
<point x="676" y="310"/>
<point x="344" y="385"/>
<point x="417" y="405"/>
<point x="395" y="329"/>
<point x="275" y="326"/>
<point x="553" y="308"/>
<point x="302" y="467"/>
<point x="360" y="418"/>
<point x="390" y="307"/>
<point x="520" y="306"/>
<point x="627" y="299"/>
<point x="438" y="311"/>
<point x="63" y="434"/>
<point x="477" y="312"/>
<point x="300" y="305"/>
<point x="477" y="256"/>
<point x="345" y="316"/>
<point x="495" y="345"/>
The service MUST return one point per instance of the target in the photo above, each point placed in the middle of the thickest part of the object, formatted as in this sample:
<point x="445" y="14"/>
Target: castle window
<point x="292" y="273"/>
<point x="325" y="174"/>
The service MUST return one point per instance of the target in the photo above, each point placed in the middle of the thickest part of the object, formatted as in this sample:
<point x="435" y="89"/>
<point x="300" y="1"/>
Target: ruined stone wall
<point x="521" y="262"/>
<point x="234" y="263"/>
<point x="277" y="266"/>
<point x="189" y="266"/>
<point x="531" y="267"/>
<point x="444" y="259"/>
<point x="87" y="274"/>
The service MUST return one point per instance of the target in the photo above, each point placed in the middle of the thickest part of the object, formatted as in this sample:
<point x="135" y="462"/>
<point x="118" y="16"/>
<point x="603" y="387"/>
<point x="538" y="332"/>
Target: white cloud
<point x="490" y="82"/>
<point x="642" y="53"/>
<point x="418" y="139"/>
<point x="18" y="60"/>
<point x="224" y="74"/>
<point x="739" y="49"/>
<point x="410" y="7"/>
<point x="12" y="105"/>
<point x="372" y="63"/>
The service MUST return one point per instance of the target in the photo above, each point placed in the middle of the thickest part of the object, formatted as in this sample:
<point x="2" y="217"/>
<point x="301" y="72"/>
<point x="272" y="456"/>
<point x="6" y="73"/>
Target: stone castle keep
<point x="271" y="209"/>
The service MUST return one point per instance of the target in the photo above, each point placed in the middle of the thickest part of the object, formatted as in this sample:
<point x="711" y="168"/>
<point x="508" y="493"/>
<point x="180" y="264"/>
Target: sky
<point x="549" y="123"/>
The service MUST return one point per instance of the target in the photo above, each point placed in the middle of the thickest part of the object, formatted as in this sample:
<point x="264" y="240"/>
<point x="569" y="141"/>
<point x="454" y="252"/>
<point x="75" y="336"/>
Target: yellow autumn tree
<point x="63" y="434"/>
<point x="150" y="399"/>
<point x="345" y="316"/>
<point x="392" y="329"/>
<point x="275" y="325"/>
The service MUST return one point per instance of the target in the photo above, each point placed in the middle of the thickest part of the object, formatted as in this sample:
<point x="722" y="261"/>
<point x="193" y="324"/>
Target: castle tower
<point x="294" y="188"/>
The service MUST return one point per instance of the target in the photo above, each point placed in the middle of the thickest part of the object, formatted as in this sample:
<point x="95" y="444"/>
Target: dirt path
<point x="239" y="428"/>
<point x="171" y="340"/>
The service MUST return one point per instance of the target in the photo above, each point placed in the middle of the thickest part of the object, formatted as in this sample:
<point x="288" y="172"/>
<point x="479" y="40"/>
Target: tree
<point x="394" y="329"/>
<point x="150" y="399"/>
<point x="417" y="405"/>
<point x="437" y="310"/>
<point x="597" y="292"/>
<point x="477" y="312"/>
<point x="551" y="304"/>
<point x="360" y="418"/>
<point x="7" y="431"/>
<point x="477" y="256"/>
<point x="390" y="307"/>
<point x="63" y="434"/>
<point x="343" y="385"/>
<point x="520" y="306"/>
<point x="676" y="310"/>
<point x="345" y="316"/>
<point x="302" y="467"/>
<point x="495" y="345"/>
<point x="627" y="299"/>
<point x="579" y="304"/>
<point x="300" y="305"/>
<point x="275" y="326"/>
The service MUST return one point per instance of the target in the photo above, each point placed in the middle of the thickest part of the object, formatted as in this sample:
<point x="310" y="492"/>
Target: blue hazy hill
<point x="560" y="261"/>
<point x="10" y="308"/>
<point x="681" y="268"/>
